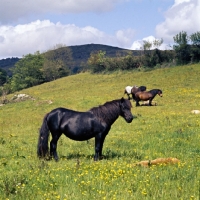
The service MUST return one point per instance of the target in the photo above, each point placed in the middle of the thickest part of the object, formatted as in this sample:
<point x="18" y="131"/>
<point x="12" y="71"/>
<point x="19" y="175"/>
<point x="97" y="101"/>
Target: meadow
<point x="166" y="130"/>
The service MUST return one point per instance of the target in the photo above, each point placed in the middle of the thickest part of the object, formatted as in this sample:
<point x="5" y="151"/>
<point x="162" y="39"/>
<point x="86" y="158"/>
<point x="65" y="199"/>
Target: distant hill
<point x="8" y="64"/>
<point x="80" y="55"/>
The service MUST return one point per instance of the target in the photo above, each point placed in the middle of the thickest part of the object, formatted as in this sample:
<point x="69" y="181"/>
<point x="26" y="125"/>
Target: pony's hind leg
<point x="133" y="97"/>
<point x="53" y="145"/>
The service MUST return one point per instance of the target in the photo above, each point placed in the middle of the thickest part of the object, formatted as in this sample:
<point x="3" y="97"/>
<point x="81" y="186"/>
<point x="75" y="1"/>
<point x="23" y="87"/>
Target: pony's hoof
<point x="56" y="159"/>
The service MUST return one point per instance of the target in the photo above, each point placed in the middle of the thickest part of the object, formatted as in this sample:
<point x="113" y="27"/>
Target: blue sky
<point x="122" y="16"/>
<point x="39" y="25"/>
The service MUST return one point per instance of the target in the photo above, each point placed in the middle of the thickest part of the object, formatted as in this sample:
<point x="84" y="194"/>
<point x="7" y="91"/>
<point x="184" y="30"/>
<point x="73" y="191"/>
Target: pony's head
<point x="125" y="110"/>
<point x="142" y="88"/>
<point x="160" y="93"/>
<point x="136" y="89"/>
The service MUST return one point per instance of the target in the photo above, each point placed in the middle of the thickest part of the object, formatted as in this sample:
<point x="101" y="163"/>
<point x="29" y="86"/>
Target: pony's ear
<point x="121" y="102"/>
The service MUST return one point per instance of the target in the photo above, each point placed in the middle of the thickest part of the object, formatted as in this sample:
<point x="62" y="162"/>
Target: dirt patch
<point x="21" y="97"/>
<point x="158" y="161"/>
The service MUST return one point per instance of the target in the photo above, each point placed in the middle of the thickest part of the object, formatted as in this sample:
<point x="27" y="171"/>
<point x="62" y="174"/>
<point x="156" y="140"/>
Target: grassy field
<point x="166" y="130"/>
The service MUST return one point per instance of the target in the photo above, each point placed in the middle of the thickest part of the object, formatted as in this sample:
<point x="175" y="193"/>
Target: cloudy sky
<point x="27" y="26"/>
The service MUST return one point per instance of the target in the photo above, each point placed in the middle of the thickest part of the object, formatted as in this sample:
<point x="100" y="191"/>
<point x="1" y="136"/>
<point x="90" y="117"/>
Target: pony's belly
<point x="80" y="136"/>
<point x="83" y="127"/>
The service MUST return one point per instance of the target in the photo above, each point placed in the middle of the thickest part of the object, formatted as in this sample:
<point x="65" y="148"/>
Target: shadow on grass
<point x="108" y="155"/>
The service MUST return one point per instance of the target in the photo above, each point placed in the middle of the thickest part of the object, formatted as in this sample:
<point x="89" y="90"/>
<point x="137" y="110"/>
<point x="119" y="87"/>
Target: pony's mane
<point x="108" y="111"/>
<point x="156" y="90"/>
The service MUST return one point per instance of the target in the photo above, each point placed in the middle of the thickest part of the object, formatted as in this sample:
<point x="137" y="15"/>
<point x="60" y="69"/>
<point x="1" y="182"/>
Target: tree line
<point x="186" y="49"/>
<point x="37" y="68"/>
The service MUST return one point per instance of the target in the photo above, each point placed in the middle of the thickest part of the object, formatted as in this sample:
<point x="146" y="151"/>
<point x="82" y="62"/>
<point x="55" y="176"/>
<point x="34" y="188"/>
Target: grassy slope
<point x="167" y="130"/>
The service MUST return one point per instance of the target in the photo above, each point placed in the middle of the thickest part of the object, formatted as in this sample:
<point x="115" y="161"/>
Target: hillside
<point x="7" y="64"/>
<point x="168" y="130"/>
<point x="80" y="55"/>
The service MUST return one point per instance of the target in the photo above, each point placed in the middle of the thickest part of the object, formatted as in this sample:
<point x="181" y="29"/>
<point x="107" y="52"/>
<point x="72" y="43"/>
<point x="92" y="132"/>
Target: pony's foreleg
<point x="99" y="140"/>
<point x="137" y="103"/>
<point x="53" y="145"/>
<point x="150" y="102"/>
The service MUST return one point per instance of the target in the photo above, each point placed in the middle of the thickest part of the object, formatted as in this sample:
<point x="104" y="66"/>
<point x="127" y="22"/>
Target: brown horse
<point x="134" y="90"/>
<point x="147" y="95"/>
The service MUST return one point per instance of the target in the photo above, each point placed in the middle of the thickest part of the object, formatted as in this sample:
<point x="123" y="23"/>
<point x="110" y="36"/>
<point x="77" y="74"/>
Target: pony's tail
<point x="42" y="148"/>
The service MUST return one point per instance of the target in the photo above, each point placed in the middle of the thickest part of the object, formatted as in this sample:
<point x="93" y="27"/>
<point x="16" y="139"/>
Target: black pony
<point x="147" y="95"/>
<point x="81" y="125"/>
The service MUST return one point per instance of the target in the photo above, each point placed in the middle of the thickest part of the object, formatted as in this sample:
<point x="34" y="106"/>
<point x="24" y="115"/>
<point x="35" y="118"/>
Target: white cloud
<point x="18" y="40"/>
<point x="40" y="36"/>
<point x="13" y="10"/>
<point x="180" y="1"/>
<point x="184" y="15"/>
<point x="138" y="44"/>
<point x="125" y="37"/>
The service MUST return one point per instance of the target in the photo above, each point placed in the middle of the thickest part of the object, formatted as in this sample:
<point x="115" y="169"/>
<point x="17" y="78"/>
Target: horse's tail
<point x="42" y="148"/>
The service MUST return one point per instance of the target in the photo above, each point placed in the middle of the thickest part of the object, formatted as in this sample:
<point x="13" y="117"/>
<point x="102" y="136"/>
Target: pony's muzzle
<point x="129" y="119"/>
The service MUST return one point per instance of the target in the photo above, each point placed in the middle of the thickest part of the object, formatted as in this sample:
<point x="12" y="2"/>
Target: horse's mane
<point x="108" y="111"/>
<point x="155" y="90"/>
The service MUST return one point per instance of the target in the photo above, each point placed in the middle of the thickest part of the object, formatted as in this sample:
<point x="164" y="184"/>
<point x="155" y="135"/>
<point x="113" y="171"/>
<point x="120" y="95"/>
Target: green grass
<point x="166" y="130"/>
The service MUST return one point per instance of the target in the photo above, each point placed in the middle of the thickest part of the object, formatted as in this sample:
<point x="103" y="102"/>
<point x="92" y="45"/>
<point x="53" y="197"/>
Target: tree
<point x="146" y="58"/>
<point x="130" y="62"/>
<point x="147" y="45"/>
<point x="182" y="48"/>
<point x="54" y="69"/>
<point x="60" y="52"/>
<point x="3" y="76"/>
<point x="27" y="72"/>
<point x="151" y="57"/>
<point x="195" y="38"/>
<point x="195" y="47"/>
<point x="157" y="43"/>
<point x="181" y="39"/>
<point x="57" y="63"/>
<point x="96" y="61"/>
